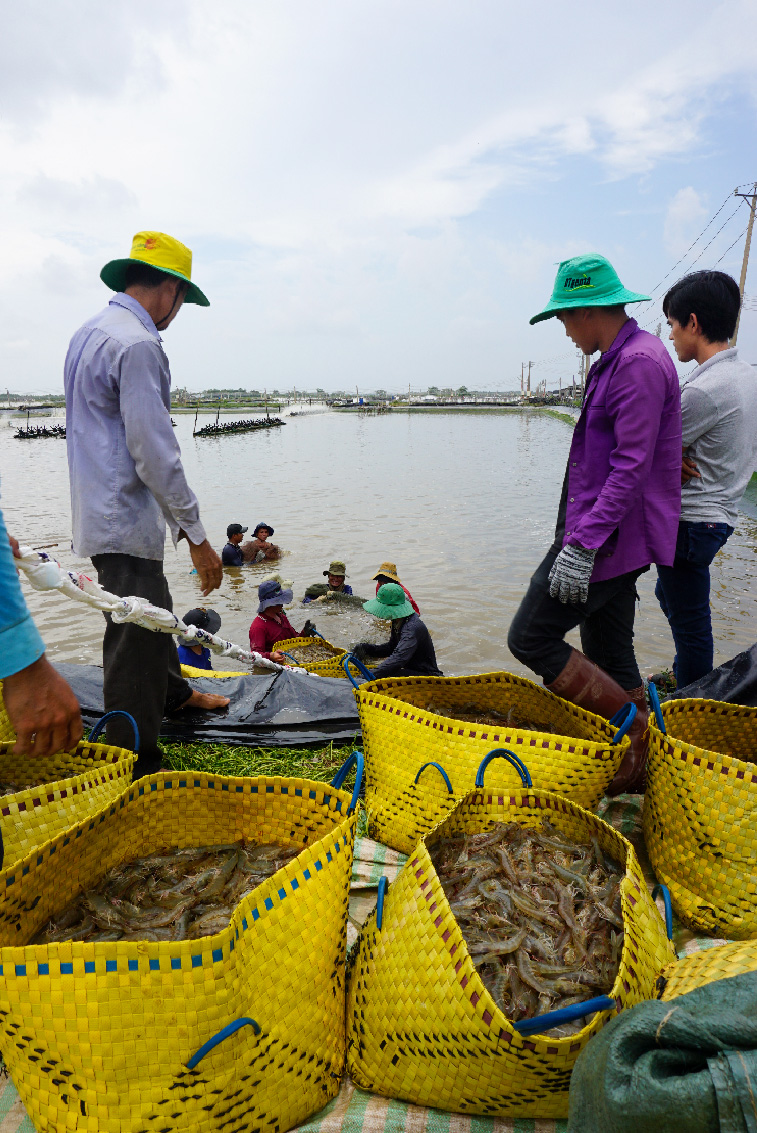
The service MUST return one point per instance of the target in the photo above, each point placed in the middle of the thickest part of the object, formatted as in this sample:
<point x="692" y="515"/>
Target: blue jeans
<point x="683" y="591"/>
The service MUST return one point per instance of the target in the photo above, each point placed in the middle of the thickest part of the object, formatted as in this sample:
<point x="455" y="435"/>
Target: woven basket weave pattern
<point x="96" y="1036"/>
<point x="76" y="783"/>
<point x="330" y="668"/>
<point x="700" y="814"/>
<point x="421" y="1025"/>
<point x="705" y="967"/>
<point x="400" y="736"/>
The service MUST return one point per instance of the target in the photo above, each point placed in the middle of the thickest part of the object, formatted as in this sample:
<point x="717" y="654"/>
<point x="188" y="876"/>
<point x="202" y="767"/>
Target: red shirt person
<point x="271" y="624"/>
<point x="387" y="572"/>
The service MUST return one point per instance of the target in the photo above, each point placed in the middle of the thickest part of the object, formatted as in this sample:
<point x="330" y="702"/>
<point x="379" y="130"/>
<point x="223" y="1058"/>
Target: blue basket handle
<point x="350" y="657"/>
<point x="622" y="720"/>
<point x="654" y="699"/>
<point x="441" y="771"/>
<point x="358" y="761"/>
<point x="216" y="1039"/>
<point x="550" y="1019"/>
<point x="291" y="658"/>
<point x="511" y="757"/>
<point x="314" y="633"/>
<point x="664" y="892"/>
<point x="380" y="902"/>
<point x="99" y="727"/>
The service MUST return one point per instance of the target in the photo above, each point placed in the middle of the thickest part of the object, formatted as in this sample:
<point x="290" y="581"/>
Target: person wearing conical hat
<point x="387" y="572"/>
<point x="127" y="480"/>
<point x="619" y="510"/>
<point x="409" y="652"/>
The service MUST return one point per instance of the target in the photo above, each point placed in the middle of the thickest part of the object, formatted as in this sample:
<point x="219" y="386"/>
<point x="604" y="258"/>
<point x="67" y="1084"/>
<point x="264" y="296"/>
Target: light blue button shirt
<point x="124" y="461"/>
<point x="20" y="643"/>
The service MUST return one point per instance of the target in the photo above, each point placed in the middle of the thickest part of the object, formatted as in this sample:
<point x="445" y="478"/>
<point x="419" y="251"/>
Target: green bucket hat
<point x="389" y="603"/>
<point x="336" y="566"/>
<point x="586" y="281"/>
<point x="159" y="251"/>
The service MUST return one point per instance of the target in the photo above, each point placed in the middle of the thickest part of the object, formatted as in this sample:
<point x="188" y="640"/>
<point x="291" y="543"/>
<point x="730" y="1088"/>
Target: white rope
<point x="46" y="573"/>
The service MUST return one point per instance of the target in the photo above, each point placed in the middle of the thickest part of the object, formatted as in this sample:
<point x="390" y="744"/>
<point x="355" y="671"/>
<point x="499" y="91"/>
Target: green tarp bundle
<point x="688" y="1065"/>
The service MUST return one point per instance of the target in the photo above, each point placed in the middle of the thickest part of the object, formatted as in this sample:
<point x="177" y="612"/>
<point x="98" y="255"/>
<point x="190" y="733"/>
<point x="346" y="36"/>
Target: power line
<point x="733" y="245"/>
<point x="692" y="245"/>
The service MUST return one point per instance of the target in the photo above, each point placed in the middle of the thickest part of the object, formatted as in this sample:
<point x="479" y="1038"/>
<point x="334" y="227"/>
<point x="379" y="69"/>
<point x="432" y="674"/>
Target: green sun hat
<point x="159" y="251"/>
<point x="389" y="603"/>
<point x="586" y="281"/>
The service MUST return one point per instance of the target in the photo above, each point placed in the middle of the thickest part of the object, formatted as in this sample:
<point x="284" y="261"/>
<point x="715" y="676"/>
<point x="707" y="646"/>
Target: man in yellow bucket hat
<point x="127" y="479"/>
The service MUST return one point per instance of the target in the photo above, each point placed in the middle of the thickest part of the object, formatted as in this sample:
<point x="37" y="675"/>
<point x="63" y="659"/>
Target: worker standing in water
<point x="619" y="510"/>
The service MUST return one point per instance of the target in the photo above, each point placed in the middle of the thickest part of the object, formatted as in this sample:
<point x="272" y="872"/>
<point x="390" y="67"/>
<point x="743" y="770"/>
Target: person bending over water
<point x="191" y="652"/>
<point x="409" y="652"/>
<point x="387" y="572"/>
<point x="272" y="624"/>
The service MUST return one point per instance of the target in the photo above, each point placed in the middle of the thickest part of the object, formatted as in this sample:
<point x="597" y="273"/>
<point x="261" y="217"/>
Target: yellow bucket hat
<point x="159" y="251"/>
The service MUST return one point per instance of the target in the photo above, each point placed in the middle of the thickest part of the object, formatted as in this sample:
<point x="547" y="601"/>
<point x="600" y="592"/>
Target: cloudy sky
<point x="376" y="193"/>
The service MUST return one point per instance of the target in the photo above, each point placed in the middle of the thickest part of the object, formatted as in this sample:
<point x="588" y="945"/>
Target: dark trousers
<point x="141" y="673"/>
<point x="683" y="591"/>
<point x="537" y="633"/>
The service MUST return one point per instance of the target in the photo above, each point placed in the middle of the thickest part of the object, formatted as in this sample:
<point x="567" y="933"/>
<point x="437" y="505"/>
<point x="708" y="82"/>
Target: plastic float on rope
<point x="46" y="573"/>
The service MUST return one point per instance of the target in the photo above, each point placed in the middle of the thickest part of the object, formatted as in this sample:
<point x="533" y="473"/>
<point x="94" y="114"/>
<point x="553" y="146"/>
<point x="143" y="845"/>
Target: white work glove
<point x="570" y="574"/>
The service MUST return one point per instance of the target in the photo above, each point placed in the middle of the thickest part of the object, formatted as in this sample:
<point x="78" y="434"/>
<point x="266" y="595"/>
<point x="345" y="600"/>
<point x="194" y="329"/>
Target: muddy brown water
<point x="464" y="504"/>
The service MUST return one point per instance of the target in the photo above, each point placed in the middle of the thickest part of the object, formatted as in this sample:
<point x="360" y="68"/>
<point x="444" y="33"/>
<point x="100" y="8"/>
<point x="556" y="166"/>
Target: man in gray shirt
<point x="719" y="407"/>
<point x="127" y="480"/>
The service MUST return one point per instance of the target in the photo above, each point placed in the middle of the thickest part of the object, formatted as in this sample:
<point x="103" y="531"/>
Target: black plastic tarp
<point x="734" y="681"/>
<point x="277" y="710"/>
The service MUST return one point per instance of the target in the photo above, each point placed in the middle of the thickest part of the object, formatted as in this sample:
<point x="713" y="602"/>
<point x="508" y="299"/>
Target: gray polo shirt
<point x="124" y="462"/>
<point x="719" y="407"/>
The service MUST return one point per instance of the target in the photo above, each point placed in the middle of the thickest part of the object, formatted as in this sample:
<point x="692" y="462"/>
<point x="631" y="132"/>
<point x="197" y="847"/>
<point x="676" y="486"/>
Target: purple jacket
<point x="624" y="467"/>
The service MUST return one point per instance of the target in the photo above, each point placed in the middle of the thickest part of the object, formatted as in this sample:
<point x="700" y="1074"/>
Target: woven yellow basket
<point x="56" y="790"/>
<point x="421" y="1025"/>
<point x="330" y="668"/>
<point x="238" y="1031"/>
<point x="700" y="813"/>
<point x="401" y="736"/>
<point x="704" y="967"/>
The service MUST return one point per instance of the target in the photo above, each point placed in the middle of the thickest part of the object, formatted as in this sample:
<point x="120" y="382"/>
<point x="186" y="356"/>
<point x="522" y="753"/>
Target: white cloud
<point x="372" y="173"/>
<point x="684" y="219"/>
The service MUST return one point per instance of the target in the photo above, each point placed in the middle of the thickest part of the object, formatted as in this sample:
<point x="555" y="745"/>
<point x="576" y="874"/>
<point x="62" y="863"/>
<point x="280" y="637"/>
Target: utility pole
<point x="530" y="364"/>
<point x="751" y="199"/>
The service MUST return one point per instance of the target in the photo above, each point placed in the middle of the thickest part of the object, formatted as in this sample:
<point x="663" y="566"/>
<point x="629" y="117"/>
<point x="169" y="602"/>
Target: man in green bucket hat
<point x="409" y="652"/>
<point x="619" y="509"/>
<point x="127" y="480"/>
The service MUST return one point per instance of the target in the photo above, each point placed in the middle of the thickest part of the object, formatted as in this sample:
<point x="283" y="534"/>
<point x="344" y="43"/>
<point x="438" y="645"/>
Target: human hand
<point x="14" y="547"/>
<point x="43" y="710"/>
<point x="570" y="574"/>
<point x="689" y="468"/>
<point x="208" y="565"/>
<point x="279" y="658"/>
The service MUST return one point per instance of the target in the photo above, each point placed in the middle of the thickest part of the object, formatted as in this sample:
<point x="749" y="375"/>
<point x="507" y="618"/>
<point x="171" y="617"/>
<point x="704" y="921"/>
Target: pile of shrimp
<point x="178" y="895"/>
<point x="540" y="914"/>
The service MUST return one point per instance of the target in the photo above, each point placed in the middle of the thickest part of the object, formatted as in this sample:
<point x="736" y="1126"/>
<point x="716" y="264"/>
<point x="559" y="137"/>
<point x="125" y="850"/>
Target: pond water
<point x="463" y="502"/>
